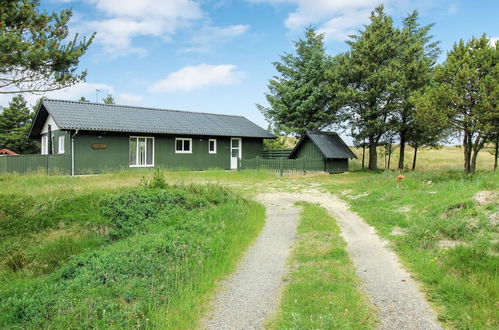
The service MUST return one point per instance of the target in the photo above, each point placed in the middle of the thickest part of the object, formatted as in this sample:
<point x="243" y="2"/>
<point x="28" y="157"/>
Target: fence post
<point x="257" y="164"/>
<point x="281" y="168"/>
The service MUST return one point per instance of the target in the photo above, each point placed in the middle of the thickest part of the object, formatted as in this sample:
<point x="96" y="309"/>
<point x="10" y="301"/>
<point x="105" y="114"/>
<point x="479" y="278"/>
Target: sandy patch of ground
<point x="485" y="196"/>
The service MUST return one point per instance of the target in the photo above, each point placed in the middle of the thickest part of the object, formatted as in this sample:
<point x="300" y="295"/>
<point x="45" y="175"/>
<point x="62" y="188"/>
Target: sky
<point x="216" y="55"/>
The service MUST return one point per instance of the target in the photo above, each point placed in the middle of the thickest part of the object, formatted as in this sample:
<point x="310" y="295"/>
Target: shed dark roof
<point x="70" y="115"/>
<point x="330" y="144"/>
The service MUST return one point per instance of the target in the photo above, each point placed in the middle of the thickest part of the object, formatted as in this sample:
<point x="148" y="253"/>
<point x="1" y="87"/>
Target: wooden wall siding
<point x="309" y="150"/>
<point x="50" y="164"/>
<point x="88" y="160"/>
<point x="336" y="165"/>
<point x="115" y="156"/>
<point x="283" y="165"/>
<point x="276" y="153"/>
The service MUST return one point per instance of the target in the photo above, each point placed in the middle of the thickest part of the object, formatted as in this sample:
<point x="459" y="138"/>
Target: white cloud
<point x="72" y="93"/>
<point x="210" y="36"/>
<point x="127" y="19"/>
<point x="195" y="77"/>
<point x="126" y="99"/>
<point x="336" y="18"/>
<point x="453" y="9"/>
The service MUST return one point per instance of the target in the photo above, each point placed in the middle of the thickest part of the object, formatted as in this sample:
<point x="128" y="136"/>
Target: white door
<point x="235" y="152"/>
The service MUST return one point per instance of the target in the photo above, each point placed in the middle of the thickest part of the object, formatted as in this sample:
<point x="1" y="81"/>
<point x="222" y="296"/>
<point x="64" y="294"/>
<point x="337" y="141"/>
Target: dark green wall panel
<point x="309" y="150"/>
<point x="252" y="148"/>
<point x="337" y="165"/>
<point x="115" y="156"/>
<point x="88" y="160"/>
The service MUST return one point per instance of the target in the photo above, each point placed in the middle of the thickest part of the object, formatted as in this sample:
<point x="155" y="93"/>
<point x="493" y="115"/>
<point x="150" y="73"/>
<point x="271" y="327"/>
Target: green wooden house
<point x="328" y="147"/>
<point x="99" y="137"/>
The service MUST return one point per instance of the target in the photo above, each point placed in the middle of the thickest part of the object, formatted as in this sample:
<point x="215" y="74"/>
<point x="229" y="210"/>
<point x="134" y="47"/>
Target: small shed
<point x="327" y="146"/>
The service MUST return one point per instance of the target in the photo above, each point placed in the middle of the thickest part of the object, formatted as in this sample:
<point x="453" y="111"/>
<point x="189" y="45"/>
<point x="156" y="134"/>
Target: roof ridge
<point x="144" y="108"/>
<point x="322" y="132"/>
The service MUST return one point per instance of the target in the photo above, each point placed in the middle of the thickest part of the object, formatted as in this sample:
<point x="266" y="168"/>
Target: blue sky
<point x="216" y="55"/>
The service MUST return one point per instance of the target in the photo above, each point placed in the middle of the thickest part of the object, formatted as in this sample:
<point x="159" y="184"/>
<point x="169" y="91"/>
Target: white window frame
<point x="45" y="145"/>
<point x="137" y="151"/>
<point x="183" y="151"/>
<point x="215" y="145"/>
<point x="60" y="146"/>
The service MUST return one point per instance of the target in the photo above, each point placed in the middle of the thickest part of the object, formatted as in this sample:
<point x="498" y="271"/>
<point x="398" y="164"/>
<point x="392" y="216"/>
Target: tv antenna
<point x="97" y="95"/>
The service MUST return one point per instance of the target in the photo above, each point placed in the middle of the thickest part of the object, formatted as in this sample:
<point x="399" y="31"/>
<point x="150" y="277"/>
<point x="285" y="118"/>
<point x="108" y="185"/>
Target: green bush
<point x="167" y="243"/>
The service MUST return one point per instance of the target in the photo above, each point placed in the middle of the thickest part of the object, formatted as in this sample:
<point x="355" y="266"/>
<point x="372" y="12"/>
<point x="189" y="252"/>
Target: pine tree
<point x="465" y="97"/>
<point x="369" y="74"/>
<point x="417" y="55"/>
<point x="34" y="56"/>
<point x="108" y="99"/>
<point x="83" y="99"/>
<point x="15" y="123"/>
<point x="299" y="96"/>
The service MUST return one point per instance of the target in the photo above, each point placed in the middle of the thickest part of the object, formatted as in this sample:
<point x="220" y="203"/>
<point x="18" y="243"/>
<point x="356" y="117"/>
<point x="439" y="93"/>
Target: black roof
<point x="87" y="116"/>
<point x="330" y="144"/>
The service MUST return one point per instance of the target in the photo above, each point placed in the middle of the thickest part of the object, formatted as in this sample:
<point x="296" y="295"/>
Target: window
<point x="45" y="147"/>
<point x="212" y="146"/>
<point x="61" y="144"/>
<point x="141" y="151"/>
<point x="183" y="146"/>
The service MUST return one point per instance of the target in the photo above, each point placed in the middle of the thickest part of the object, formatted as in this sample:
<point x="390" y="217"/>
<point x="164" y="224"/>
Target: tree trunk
<point x="363" y="153"/>
<point x="402" y="150"/>
<point x="389" y="154"/>
<point x="496" y="153"/>
<point x="467" y="152"/>
<point x="414" y="158"/>
<point x="373" y="154"/>
<point x="476" y="147"/>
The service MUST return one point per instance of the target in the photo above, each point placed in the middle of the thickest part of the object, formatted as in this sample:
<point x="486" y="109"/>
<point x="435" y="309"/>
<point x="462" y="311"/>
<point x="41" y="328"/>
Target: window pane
<point x="187" y="145"/>
<point x="44" y="145"/>
<point x="150" y="151"/>
<point x="235" y="143"/>
<point x="235" y="152"/>
<point x="133" y="151"/>
<point x="212" y="145"/>
<point x="142" y="151"/>
<point x="179" y="145"/>
<point x="61" y="144"/>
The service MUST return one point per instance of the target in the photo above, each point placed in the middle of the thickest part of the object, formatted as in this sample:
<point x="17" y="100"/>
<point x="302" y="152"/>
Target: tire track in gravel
<point x="252" y="293"/>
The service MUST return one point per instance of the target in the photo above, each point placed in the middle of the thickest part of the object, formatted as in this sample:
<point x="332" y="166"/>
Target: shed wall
<point x="309" y="150"/>
<point x="337" y="165"/>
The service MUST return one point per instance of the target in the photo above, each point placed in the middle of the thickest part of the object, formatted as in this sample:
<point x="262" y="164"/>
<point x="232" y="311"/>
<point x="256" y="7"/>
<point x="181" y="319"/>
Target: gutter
<point x="73" y="153"/>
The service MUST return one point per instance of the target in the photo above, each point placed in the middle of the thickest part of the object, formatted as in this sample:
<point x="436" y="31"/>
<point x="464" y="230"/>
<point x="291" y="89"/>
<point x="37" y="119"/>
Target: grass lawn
<point x="322" y="289"/>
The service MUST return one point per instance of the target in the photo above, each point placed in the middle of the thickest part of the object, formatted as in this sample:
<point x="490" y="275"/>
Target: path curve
<point x="251" y="294"/>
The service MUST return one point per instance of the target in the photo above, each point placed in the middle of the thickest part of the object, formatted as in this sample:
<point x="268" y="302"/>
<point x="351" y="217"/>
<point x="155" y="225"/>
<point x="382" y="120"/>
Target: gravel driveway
<point x="251" y="294"/>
